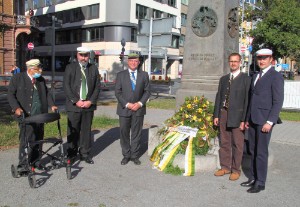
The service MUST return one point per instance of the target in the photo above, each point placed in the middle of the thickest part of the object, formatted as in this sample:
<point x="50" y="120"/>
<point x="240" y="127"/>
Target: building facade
<point x="101" y="25"/>
<point x="15" y="32"/>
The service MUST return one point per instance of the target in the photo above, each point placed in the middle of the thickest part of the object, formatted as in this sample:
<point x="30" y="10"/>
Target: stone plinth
<point x="212" y="33"/>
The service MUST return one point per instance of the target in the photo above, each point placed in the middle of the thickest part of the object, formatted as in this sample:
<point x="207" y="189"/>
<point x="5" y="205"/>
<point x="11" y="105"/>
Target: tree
<point x="278" y="27"/>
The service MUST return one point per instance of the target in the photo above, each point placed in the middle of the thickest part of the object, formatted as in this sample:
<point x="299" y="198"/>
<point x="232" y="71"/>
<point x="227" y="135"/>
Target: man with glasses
<point x="28" y="95"/>
<point x="230" y="114"/>
<point x="81" y="87"/>
<point x="132" y="91"/>
<point x="266" y="100"/>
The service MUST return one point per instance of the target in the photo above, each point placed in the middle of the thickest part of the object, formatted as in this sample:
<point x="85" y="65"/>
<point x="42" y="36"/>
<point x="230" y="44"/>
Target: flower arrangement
<point x="188" y="132"/>
<point x="195" y="112"/>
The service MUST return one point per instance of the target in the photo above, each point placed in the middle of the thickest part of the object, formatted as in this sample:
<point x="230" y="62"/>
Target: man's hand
<point x="87" y="104"/>
<point x="216" y="121"/>
<point x="266" y="128"/>
<point x="54" y="108"/>
<point x="18" y="112"/>
<point x="130" y="105"/>
<point x="242" y="126"/>
<point x="80" y="104"/>
<point x="136" y="106"/>
<point x="247" y="125"/>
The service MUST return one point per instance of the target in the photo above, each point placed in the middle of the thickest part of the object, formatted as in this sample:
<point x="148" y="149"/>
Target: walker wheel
<point x="68" y="171"/>
<point x="14" y="172"/>
<point x="31" y="180"/>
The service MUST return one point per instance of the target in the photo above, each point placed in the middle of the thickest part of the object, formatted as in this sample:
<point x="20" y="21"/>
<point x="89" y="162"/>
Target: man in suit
<point x="266" y="99"/>
<point x="82" y="87"/>
<point x="132" y="91"/>
<point x="28" y="95"/>
<point x="230" y="114"/>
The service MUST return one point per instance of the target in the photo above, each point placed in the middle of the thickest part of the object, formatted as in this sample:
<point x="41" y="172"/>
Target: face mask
<point x="36" y="75"/>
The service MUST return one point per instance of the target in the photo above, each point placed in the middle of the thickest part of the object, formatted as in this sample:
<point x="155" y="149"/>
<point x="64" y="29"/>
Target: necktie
<point x="259" y="77"/>
<point x="83" y="84"/>
<point x="226" y="104"/>
<point x="133" y="81"/>
<point x="33" y="81"/>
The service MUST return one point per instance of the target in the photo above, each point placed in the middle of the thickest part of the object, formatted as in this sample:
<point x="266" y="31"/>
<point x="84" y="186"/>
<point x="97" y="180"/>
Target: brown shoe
<point x="221" y="172"/>
<point x="234" y="176"/>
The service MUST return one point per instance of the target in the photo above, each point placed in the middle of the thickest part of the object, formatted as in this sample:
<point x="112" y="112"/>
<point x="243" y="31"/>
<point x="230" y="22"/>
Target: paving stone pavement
<point x="107" y="183"/>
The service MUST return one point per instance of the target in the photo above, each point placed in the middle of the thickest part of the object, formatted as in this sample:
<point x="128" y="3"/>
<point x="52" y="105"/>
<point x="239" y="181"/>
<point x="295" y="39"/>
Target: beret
<point x="133" y="56"/>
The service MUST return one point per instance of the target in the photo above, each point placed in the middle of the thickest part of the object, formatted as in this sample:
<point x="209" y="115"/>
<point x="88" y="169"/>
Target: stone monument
<point x="212" y="33"/>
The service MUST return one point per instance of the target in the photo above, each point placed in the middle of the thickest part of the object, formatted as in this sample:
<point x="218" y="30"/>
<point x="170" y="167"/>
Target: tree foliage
<point x="278" y="27"/>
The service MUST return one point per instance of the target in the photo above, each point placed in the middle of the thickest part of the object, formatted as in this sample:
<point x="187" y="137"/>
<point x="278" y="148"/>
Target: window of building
<point x="76" y="15"/>
<point x="156" y="66"/>
<point x="35" y="4"/>
<point x="133" y="34"/>
<point x="94" y="11"/>
<point x="174" y="19"/>
<point x="185" y="2"/>
<point x="181" y="40"/>
<point x="141" y="12"/>
<point x="62" y="37"/>
<point x="157" y="14"/>
<point x="75" y="36"/>
<point x="172" y="3"/>
<point x="95" y="34"/>
<point x="48" y="2"/>
<point x="175" y="41"/>
<point x="183" y="19"/>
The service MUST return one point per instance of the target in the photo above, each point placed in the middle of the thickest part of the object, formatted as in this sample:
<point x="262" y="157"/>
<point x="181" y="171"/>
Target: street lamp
<point x="123" y="43"/>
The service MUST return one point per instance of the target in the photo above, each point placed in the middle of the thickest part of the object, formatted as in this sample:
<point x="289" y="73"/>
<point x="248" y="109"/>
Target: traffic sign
<point x="30" y="46"/>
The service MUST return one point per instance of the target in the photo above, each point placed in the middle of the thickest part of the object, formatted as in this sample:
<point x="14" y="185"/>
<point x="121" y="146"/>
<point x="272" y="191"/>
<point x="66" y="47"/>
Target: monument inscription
<point x="203" y="57"/>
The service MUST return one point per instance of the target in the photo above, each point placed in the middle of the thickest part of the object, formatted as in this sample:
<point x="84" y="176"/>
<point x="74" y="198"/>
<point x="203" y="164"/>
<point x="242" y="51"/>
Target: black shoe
<point x="249" y="183"/>
<point x="124" y="161"/>
<point x="22" y="168"/>
<point x="136" y="161"/>
<point x="88" y="160"/>
<point x="256" y="189"/>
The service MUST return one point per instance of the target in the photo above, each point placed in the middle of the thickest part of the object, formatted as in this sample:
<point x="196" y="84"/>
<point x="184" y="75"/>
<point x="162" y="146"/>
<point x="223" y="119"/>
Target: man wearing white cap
<point x="82" y="87"/>
<point x="28" y="95"/>
<point x="266" y="99"/>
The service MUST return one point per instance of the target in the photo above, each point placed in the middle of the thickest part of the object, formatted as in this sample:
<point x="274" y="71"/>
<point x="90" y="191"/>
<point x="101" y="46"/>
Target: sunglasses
<point x="262" y="57"/>
<point x="84" y="55"/>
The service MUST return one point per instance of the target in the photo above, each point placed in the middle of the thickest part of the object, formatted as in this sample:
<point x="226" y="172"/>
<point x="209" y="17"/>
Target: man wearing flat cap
<point x="82" y="87"/>
<point x="266" y="100"/>
<point x="28" y="95"/>
<point x="132" y="91"/>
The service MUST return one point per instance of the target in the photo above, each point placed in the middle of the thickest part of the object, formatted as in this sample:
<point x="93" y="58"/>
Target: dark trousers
<point x="133" y="124"/>
<point x="258" y="147"/>
<point x="79" y="133"/>
<point x="231" y="145"/>
<point x="30" y="133"/>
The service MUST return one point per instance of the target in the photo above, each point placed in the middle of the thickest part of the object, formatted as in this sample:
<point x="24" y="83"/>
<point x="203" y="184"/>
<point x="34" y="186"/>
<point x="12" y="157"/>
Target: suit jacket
<point x="125" y="94"/>
<point x="20" y="91"/>
<point x="72" y="84"/>
<point x="266" y="98"/>
<point x="238" y="99"/>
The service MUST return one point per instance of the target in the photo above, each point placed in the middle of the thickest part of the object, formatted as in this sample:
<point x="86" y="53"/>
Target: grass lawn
<point x="162" y="104"/>
<point x="10" y="130"/>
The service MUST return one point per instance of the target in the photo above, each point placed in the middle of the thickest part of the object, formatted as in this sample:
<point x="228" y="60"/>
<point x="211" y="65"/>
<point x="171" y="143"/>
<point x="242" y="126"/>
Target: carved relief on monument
<point x="204" y="22"/>
<point x="233" y="22"/>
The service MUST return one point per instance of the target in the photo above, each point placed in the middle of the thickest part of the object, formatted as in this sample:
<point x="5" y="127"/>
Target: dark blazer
<point x="266" y="98"/>
<point x="72" y="84"/>
<point x="125" y="94"/>
<point x="20" y="92"/>
<point x="238" y="99"/>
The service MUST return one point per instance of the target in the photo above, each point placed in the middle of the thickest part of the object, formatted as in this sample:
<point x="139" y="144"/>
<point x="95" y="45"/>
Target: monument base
<point x="183" y="93"/>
